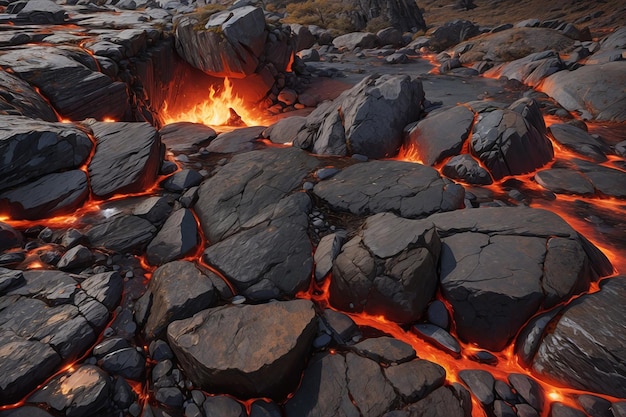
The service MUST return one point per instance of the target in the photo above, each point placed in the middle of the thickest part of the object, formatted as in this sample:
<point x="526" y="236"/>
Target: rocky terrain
<point x="382" y="224"/>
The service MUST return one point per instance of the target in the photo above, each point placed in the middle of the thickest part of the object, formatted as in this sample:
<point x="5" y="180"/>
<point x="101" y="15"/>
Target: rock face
<point x="409" y="189"/>
<point x="531" y="69"/>
<point x="404" y="15"/>
<point x="20" y="99"/>
<point x="229" y="45"/>
<point x="368" y="119"/>
<point x="580" y="141"/>
<point x="592" y="90"/>
<point x="451" y="33"/>
<point x="388" y="269"/>
<point x="122" y="233"/>
<point x="586" y="345"/>
<point x="32" y="148"/>
<point x="260" y="350"/>
<point x="120" y="165"/>
<point x="177" y="237"/>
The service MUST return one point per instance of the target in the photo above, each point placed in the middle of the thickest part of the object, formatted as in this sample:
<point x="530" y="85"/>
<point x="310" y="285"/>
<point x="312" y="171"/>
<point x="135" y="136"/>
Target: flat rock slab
<point x="123" y="233"/>
<point x="260" y="350"/>
<point x="409" y="189"/>
<point x="564" y="181"/>
<point x="49" y="196"/>
<point x="579" y="141"/>
<point x="531" y="69"/>
<point x="32" y="148"/>
<point x="607" y="181"/>
<point x="177" y="237"/>
<point x="186" y="137"/>
<point x="20" y="98"/>
<point x="76" y="91"/>
<point x="248" y="185"/>
<point x="122" y="165"/>
<point x="595" y="91"/>
<point x="586" y="348"/>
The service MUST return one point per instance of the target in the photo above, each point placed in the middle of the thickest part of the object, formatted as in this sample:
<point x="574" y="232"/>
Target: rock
<point x="585" y="347"/>
<point x="595" y="406"/>
<point x="529" y="338"/>
<point x="480" y="383"/>
<point x="272" y="340"/>
<point x="76" y="91"/>
<point x="123" y="233"/>
<point x="177" y="237"/>
<point x="25" y="365"/>
<point x="309" y="55"/>
<point x="607" y="181"/>
<point x="42" y="12"/>
<point x="223" y="406"/>
<point x="120" y="165"/>
<point x="591" y="90"/>
<point x="304" y="37"/>
<point x="580" y="141"/>
<point x="236" y="141"/>
<point x="9" y="237"/>
<point x="80" y="392"/>
<point x="18" y="98"/>
<point x="394" y="279"/>
<point x="238" y="192"/>
<point x="77" y="257"/>
<point x="186" y="137"/>
<point x="25" y="411"/>
<point x="351" y="41"/>
<point x="182" y="180"/>
<point x="386" y="350"/>
<point x="397" y="58"/>
<point x="109" y="345"/>
<point x="442" y="134"/>
<point x="508" y="144"/>
<point x="412" y="190"/>
<point x="32" y="148"/>
<point x="529" y="390"/>
<point x="451" y="33"/>
<point x="438" y="337"/>
<point x="9" y="278"/>
<point x="127" y="362"/>
<point x="285" y="130"/>
<point x="228" y="46"/>
<point x="49" y="196"/>
<point x="564" y="181"/>
<point x="261" y="408"/>
<point x="326" y="252"/>
<point x="344" y="329"/>
<point x="531" y="69"/>
<point x="416" y="379"/>
<point x="465" y="168"/>
<point x="179" y="290"/>
<point x="437" y="314"/>
<point x="154" y="209"/>
<point x="443" y="402"/>
<point x="287" y="96"/>
<point x="389" y="36"/>
<point x="170" y="396"/>
<point x="560" y="410"/>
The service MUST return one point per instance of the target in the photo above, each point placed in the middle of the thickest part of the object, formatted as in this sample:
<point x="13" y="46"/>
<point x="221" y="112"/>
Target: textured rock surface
<point x="409" y="189"/>
<point x="260" y="351"/>
<point x="19" y="98"/>
<point x="183" y="137"/>
<point x="121" y="165"/>
<point x="580" y="141"/>
<point x="122" y="233"/>
<point x="177" y="237"/>
<point x="586" y="346"/>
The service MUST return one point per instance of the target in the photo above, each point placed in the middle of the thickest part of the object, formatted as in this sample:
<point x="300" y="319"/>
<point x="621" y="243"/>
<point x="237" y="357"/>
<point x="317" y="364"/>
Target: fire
<point x="409" y="153"/>
<point x="215" y="110"/>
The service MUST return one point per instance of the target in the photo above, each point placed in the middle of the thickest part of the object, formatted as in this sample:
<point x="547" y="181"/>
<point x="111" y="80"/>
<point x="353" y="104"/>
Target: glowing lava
<point x="215" y="110"/>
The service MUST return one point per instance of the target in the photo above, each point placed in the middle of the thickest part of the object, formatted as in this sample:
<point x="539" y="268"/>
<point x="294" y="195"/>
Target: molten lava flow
<point x="409" y="153"/>
<point x="216" y="110"/>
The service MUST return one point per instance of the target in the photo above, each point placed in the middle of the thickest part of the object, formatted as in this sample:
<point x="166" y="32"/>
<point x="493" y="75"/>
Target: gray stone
<point x="530" y="70"/>
<point x="442" y="134"/>
<point x="179" y="290"/>
<point x="77" y="257"/>
<point x="580" y="141"/>
<point x="182" y="180"/>
<point x="127" y="362"/>
<point x="451" y="33"/>
<point x="443" y="402"/>
<point x="18" y="98"/>
<point x="109" y="345"/>
<point x="412" y="190"/>
<point x="25" y="411"/>
<point x="480" y="383"/>
<point x="438" y="315"/>
<point x="186" y="137"/>
<point x="122" y="233"/>
<point x="9" y="278"/>
<point x="272" y="341"/>
<point x="351" y="41"/>
<point x="285" y="130"/>
<point x="561" y="410"/>
<point x="176" y="239"/>
<point x="154" y="209"/>
<point x="586" y="347"/>
<point x="368" y="387"/>
<point x="415" y="379"/>
<point x="529" y="338"/>
<point x="326" y="252"/>
<point x="502" y="409"/>
<point x="170" y="396"/>
<point x="223" y="406"/>
<point x="9" y="237"/>
<point x="120" y="165"/>
<point x="236" y="141"/>
<point x="42" y="12"/>
<point x="607" y="181"/>
<point x="438" y="337"/>
<point x="32" y="148"/>
<point x="344" y="329"/>
<point x="595" y="406"/>
<point x="529" y="390"/>
<point x="389" y="36"/>
<point x="386" y="350"/>
<point x="106" y="288"/>
<point x="564" y="181"/>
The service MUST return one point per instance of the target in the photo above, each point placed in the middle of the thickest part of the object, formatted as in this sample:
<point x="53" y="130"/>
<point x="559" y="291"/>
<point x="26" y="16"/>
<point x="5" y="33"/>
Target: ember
<point x="168" y="246"/>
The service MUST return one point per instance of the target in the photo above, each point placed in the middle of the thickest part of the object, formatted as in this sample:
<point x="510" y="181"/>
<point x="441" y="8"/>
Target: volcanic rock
<point x="239" y="191"/>
<point x="344" y="329"/>
<point x="369" y="388"/>
<point x="385" y="350"/>
<point x="412" y="190"/>
<point x="387" y="273"/>
<point x="20" y="99"/>
<point x="416" y="379"/>
<point x="32" y="148"/>
<point x="608" y="181"/>
<point x="154" y="209"/>
<point x="237" y="141"/>
<point x="120" y="165"/>
<point x="49" y="196"/>
<point x="443" y="402"/>
<point x="77" y="257"/>
<point x="106" y="288"/>
<point x="123" y="233"/>
<point x="126" y="362"/>
<point x="177" y="237"/>
<point x="182" y="180"/>
<point x="9" y="278"/>
<point x="451" y="33"/>
<point x="480" y="383"/>
<point x="223" y="406"/>
<point x="579" y="141"/>
<point x="260" y="351"/>
<point x="442" y="134"/>
<point x="25" y="411"/>
<point x="326" y="252"/>
<point x="76" y="91"/>
<point x="530" y="70"/>
<point x="179" y="290"/>
<point x="81" y="392"/>
<point x="351" y="41"/>
<point x="508" y="144"/>
<point x="285" y="130"/>
<point x="25" y="364"/>
<point x="586" y="346"/>
<point x="404" y="15"/>
<point x="41" y="12"/>
<point x="438" y="337"/>
<point x="9" y="237"/>
<point x="465" y="168"/>
<point x="592" y="90"/>
<point x="564" y="181"/>
<point x="186" y="137"/>
<point x="528" y="389"/>
<point x="560" y="410"/>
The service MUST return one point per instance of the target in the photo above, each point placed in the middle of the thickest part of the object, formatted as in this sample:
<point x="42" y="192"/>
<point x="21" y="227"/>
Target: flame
<point x="289" y="67"/>
<point x="215" y="111"/>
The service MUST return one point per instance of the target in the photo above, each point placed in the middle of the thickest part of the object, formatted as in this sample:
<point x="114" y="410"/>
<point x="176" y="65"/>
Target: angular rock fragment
<point x="182" y="180"/>
<point x="438" y="337"/>
<point x="480" y="383"/>
<point x="607" y="181"/>
<point x="120" y="165"/>
<point x="20" y="99"/>
<point x="122" y="233"/>
<point x="126" y="362"/>
<point x="564" y="181"/>
<point x="237" y="141"/>
<point x="106" y="288"/>
<point x="369" y="388"/>
<point x="177" y="237"/>
<point x="385" y="350"/>
<point x="10" y="278"/>
<point x="77" y="257"/>
<point x="186" y="137"/>
<point x="260" y="351"/>
<point x="415" y="379"/>
<point x="443" y="402"/>
<point x="580" y="141"/>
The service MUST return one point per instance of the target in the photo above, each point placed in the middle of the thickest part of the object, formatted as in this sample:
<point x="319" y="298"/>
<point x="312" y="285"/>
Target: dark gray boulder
<point x="442" y="402"/>
<point x="607" y="181"/>
<point x="186" y="137"/>
<point x="271" y="340"/>
<point x="451" y="33"/>
<point x="32" y="148"/>
<point x="179" y="290"/>
<point x="20" y="99"/>
<point x="353" y="40"/>
<point x="465" y="168"/>
<point x="177" y="237"/>
<point x="182" y="180"/>
<point x="121" y="165"/>
<point x="9" y="237"/>
<point x="123" y="233"/>
<point x="585" y="349"/>
<point x="480" y="384"/>
<point x="441" y="135"/>
<point x="223" y="406"/>
<point x="42" y="12"/>
<point x="387" y="273"/>
<point x="285" y="130"/>
<point x="238" y="140"/>
<point x="579" y="141"/>
<point x="564" y="181"/>
<point x="531" y="69"/>
<point x="409" y="189"/>
<point x="48" y="196"/>
<point x="386" y="350"/>
<point x="415" y="379"/>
